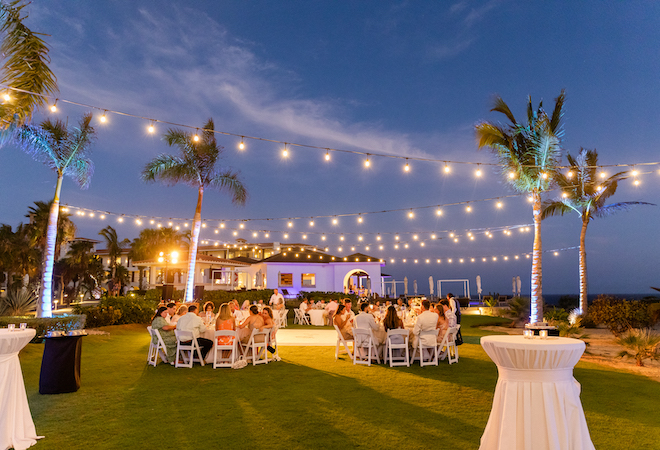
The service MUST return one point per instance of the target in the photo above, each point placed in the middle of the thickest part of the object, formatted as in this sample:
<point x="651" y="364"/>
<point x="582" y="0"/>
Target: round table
<point x="537" y="401"/>
<point x="16" y="425"/>
<point x="316" y="317"/>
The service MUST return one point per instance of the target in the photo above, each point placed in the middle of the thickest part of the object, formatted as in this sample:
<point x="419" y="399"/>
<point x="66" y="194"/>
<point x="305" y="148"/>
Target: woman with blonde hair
<point x="225" y="321"/>
<point x="183" y="309"/>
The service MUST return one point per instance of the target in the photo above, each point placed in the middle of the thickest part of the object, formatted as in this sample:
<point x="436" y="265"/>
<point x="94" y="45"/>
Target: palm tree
<point x="585" y="193"/>
<point x="196" y="168"/>
<point x="643" y="343"/>
<point x="25" y="67"/>
<point x="528" y="153"/>
<point x="114" y="247"/>
<point x="65" y="151"/>
<point x="38" y="228"/>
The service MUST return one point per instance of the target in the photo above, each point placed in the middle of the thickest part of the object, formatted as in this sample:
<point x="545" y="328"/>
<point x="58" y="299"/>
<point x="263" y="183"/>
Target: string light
<point x="327" y="155"/>
<point x="6" y="97"/>
<point x="151" y="128"/>
<point x="477" y="173"/>
<point x="102" y="118"/>
<point x="285" y="152"/>
<point x="241" y="146"/>
<point x="499" y="204"/>
<point x="603" y="174"/>
<point x="438" y="212"/>
<point x="406" y="168"/>
<point x="411" y="214"/>
<point x="53" y="107"/>
<point x="359" y="219"/>
<point x="569" y="174"/>
<point x="512" y="175"/>
<point x="366" y="161"/>
<point x="447" y="169"/>
<point x="196" y="136"/>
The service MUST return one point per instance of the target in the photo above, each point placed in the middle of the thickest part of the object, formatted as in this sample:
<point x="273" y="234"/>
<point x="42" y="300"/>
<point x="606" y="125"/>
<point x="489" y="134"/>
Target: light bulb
<point x="447" y="169"/>
<point x="603" y="174"/>
<point x="327" y="156"/>
<point x="468" y="208"/>
<point x="285" y="152"/>
<point x="544" y="175"/>
<point x="311" y="223"/>
<point x="636" y="182"/>
<point x="478" y="172"/>
<point x="499" y="204"/>
<point x="6" y="97"/>
<point x="438" y="212"/>
<point x="359" y="219"/>
<point x="366" y="162"/>
<point x="569" y="174"/>
<point x="102" y="118"/>
<point x="290" y="224"/>
<point x="634" y="173"/>
<point x="334" y="221"/>
<point x="241" y="146"/>
<point x="196" y="138"/>
<point x="411" y="214"/>
<point x="54" y="107"/>
<point x="512" y="175"/>
<point x="406" y="168"/>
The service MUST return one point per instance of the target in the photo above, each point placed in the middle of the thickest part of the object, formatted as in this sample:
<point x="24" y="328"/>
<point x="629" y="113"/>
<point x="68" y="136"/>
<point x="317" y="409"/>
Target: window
<point x="308" y="280"/>
<point x="286" y="279"/>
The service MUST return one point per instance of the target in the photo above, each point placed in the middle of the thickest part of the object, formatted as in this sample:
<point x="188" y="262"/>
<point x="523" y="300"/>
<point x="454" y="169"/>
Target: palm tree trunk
<point x="583" y="268"/>
<point x="536" y="303"/>
<point x="45" y="307"/>
<point x="192" y="251"/>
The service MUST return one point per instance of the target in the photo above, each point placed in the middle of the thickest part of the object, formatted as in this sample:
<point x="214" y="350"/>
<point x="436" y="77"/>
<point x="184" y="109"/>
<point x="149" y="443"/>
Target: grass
<point x="308" y="400"/>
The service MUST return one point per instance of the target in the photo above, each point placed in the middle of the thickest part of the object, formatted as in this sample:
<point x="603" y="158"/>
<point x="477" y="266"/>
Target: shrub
<point x="643" y="344"/>
<point x="118" y="311"/>
<point x="518" y="309"/>
<point x="568" y="302"/>
<point x="46" y="324"/>
<point x="218" y="296"/>
<point x="555" y="315"/>
<point x="620" y="315"/>
<point x="654" y="312"/>
<point x="18" y="302"/>
<point x="99" y="316"/>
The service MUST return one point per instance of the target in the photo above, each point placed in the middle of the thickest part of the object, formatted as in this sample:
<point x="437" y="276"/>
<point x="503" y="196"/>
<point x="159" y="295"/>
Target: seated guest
<point x="171" y="311"/>
<point x="225" y="321"/>
<point x="245" y="305"/>
<point x="193" y="323"/>
<point x="443" y="323"/>
<point x="449" y="314"/>
<point x="209" y="313"/>
<point x="269" y="322"/>
<point x="183" y="309"/>
<point x="304" y="308"/>
<point x="255" y="320"/>
<point x="343" y="321"/>
<point x="166" y="332"/>
<point x="426" y="321"/>
<point x="349" y="307"/>
<point x="366" y="320"/>
<point x="400" y="305"/>
<point x="392" y="320"/>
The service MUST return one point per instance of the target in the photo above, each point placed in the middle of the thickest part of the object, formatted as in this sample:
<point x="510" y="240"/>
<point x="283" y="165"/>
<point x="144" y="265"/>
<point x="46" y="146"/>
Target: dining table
<point x="536" y="405"/>
<point x="16" y="426"/>
<point x="316" y="317"/>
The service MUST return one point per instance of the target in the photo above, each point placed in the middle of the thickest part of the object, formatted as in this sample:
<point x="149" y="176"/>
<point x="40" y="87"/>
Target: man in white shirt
<point x="366" y="321"/>
<point x="276" y="300"/>
<point x="455" y="306"/>
<point x="426" y="321"/>
<point x="193" y="323"/>
<point x="304" y="307"/>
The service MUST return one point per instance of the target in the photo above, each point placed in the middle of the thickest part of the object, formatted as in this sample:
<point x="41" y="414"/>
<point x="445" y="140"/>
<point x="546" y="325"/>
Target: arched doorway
<point x="357" y="280"/>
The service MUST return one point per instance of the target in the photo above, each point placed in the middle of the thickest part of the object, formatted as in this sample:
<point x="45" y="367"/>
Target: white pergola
<point x="464" y="281"/>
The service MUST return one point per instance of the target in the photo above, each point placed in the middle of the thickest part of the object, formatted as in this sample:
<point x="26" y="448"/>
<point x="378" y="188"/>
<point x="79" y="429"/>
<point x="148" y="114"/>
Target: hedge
<point x="46" y="324"/>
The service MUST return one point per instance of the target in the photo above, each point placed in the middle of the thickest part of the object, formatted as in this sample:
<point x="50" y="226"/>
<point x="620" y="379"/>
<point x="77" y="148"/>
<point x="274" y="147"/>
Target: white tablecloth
<point x="536" y="405"/>
<point x="316" y="317"/>
<point x="16" y="425"/>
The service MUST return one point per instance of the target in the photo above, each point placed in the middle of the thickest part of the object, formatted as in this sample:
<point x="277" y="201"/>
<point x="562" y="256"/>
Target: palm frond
<point x="613" y="208"/>
<point x="80" y="170"/>
<point x="228" y="182"/>
<point x="554" y="208"/>
<point x="25" y="67"/>
<point x="558" y="114"/>
<point x="170" y="170"/>
<point x="36" y="142"/>
<point x="502" y="107"/>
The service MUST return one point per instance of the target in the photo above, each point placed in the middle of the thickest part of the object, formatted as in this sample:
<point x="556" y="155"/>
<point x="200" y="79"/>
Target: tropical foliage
<point x="118" y="273"/>
<point x="196" y="167"/>
<point x="584" y="192"/>
<point x="151" y="242"/>
<point x="643" y="344"/>
<point x="64" y="151"/>
<point x="620" y="315"/>
<point x="18" y="302"/>
<point x="529" y="154"/>
<point x="82" y="268"/>
<point x="24" y="70"/>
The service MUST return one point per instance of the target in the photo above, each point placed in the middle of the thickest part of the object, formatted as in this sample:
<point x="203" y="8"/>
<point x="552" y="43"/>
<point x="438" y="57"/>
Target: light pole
<point x="170" y="257"/>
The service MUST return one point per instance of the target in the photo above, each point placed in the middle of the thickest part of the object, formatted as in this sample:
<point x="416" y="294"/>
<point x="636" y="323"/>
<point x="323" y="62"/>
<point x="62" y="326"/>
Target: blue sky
<point x="398" y="78"/>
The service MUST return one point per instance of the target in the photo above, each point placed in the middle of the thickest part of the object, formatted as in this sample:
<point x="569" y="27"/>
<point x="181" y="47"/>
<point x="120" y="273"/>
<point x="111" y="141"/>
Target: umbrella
<point x="479" y="286"/>
<point x="519" y="284"/>
<point x="405" y="285"/>
<point x="514" y="286"/>
<point x="431" y="285"/>
<point x="415" y="286"/>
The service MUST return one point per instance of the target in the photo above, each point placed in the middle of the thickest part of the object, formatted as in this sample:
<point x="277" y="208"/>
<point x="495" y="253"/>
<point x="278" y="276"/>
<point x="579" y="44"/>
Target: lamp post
<point x="170" y="257"/>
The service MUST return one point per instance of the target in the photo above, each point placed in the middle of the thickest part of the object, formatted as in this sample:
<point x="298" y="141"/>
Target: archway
<point x="356" y="280"/>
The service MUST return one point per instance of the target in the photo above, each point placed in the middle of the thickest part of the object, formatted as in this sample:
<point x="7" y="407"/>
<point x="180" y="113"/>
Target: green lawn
<point x="308" y="400"/>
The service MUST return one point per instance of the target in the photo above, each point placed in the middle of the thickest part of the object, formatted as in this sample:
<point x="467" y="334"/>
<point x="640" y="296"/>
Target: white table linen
<point x="316" y="317"/>
<point x="537" y="404"/>
<point x="16" y="425"/>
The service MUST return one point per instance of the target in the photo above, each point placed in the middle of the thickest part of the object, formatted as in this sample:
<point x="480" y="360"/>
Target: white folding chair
<point x="284" y="313"/>
<point x="186" y="347"/>
<point x="218" y="349"/>
<point x="255" y="349"/>
<point x="433" y="349"/>
<point x="156" y="349"/>
<point x="344" y="342"/>
<point x="296" y="316"/>
<point x="364" y="342"/>
<point x="447" y="347"/>
<point x="304" y="319"/>
<point x="397" y="340"/>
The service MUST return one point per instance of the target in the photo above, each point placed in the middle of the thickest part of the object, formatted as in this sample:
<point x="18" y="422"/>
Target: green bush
<point x="100" y="316"/>
<point x="157" y="294"/>
<point x="518" y="309"/>
<point x="118" y="311"/>
<point x="46" y="324"/>
<point x="620" y="315"/>
<point x="555" y="315"/>
<point x="654" y="312"/>
<point x="218" y="296"/>
<point x="568" y="302"/>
